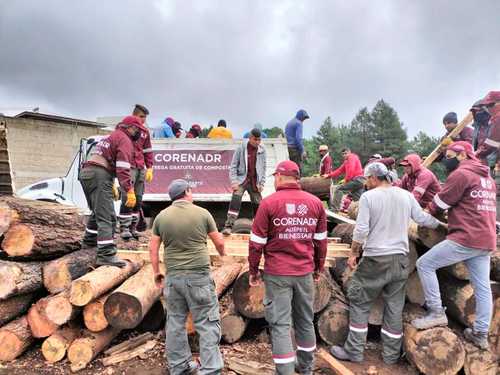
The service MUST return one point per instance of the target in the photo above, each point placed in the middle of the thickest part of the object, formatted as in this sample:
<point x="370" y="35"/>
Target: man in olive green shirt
<point x="183" y="229"/>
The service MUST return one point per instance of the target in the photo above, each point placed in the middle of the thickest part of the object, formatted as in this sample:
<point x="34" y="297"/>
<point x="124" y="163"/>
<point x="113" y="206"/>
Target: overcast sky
<point x="249" y="61"/>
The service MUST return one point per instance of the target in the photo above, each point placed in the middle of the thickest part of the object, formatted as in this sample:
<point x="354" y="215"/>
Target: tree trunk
<point x="458" y="297"/>
<point x="352" y="211"/>
<point x="93" y="314"/>
<point x="55" y="346"/>
<point x="40" y="241"/>
<point x="333" y="323"/>
<point x="233" y="325"/>
<point x="19" y="278"/>
<point x="154" y="320"/>
<point x="248" y="301"/>
<point x="58" y="274"/>
<point x="44" y="213"/>
<point x="344" y="232"/>
<point x="15" y="338"/>
<point x="7" y="218"/>
<point x="435" y="351"/>
<point x="50" y="313"/>
<point x="479" y="362"/>
<point x="458" y="271"/>
<point x="317" y="186"/>
<point x="14" y="306"/>
<point x="126" y="306"/>
<point x="495" y="268"/>
<point x="94" y="284"/>
<point x="431" y="237"/>
<point x="84" y="349"/>
<point x="224" y="276"/>
<point x="414" y="291"/>
<point x="322" y="292"/>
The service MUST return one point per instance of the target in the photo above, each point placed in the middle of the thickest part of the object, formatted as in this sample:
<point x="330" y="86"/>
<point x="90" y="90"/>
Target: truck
<point x="203" y="162"/>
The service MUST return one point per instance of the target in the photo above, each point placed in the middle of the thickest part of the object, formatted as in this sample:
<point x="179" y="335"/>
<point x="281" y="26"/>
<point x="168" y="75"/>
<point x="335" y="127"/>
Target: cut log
<point x="435" y="351"/>
<point x="43" y="213"/>
<point x="129" y="344"/>
<point x="248" y="300"/>
<point x="55" y="346"/>
<point x="431" y="237"/>
<point x="333" y="322"/>
<point x="322" y="292"/>
<point x="479" y="362"/>
<point x="154" y="320"/>
<point x="84" y="349"/>
<point x="130" y="354"/>
<point x="58" y="274"/>
<point x="6" y="218"/>
<point x="127" y="305"/>
<point x="93" y="314"/>
<point x="15" y="338"/>
<point x="495" y="268"/>
<point x="317" y="186"/>
<point x="40" y="241"/>
<point x="50" y="313"/>
<point x="352" y="211"/>
<point x="233" y="325"/>
<point x="14" y="306"/>
<point x="344" y="232"/>
<point x="247" y="367"/>
<point x="336" y="366"/>
<point x="458" y="271"/>
<point x="19" y="278"/>
<point x="458" y="297"/>
<point x="224" y="276"/>
<point x="94" y="284"/>
<point x="414" y="291"/>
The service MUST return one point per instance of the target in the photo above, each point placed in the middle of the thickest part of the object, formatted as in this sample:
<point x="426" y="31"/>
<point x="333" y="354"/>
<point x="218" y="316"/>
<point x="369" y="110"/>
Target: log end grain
<point x="333" y="323"/>
<point x="81" y="351"/>
<point x="56" y="279"/>
<point x="39" y="325"/>
<point x="18" y="240"/>
<point x="248" y="300"/>
<point x="59" y="309"/>
<point x="123" y="310"/>
<point x="81" y="292"/>
<point x="53" y="349"/>
<point x="233" y="327"/>
<point x="93" y="316"/>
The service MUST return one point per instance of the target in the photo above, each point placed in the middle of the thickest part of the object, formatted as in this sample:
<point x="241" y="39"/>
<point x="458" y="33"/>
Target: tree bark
<point x="344" y="232"/>
<point x="435" y="351"/>
<point x="58" y="274"/>
<point x="127" y="305"/>
<point x="224" y="276"/>
<point x="458" y="271"/>
<point x="479" y="362"/>
<point x="19" y="278"/>
<point x="431" y="237"/>
<point x="14" y="306"/>
<point x="248" y="301"/>
<point x="7" y="218"/>
<point x="39" y="241"/>
<point x="495" y="268"/>
<point x="93" y="314"/>
<point x="233" y="325"/>
<point x="458" y="297"/>
<point x="55" y="346"/>
<point x="15" y="338"/>
<point x="94" y="284"/>
<point x="414" y="291"/>
<point x="352" y="211"/>
<point x="84" y="349"/>
<point x="317" y="186"/>
<point x="43" y="213"/>
<point x="333" y="322"/>
<point x="322" y="292"/>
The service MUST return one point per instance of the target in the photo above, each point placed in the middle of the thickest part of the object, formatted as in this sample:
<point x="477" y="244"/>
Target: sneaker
<point x="478" y="339"/>
<point x="226" y="231"/>
<point x="340" y="353"/>
<point x="192" y="368"/>
<point x="110" y="260"/>
<point x="126" y="235"/>
<point x="433" y="318"/>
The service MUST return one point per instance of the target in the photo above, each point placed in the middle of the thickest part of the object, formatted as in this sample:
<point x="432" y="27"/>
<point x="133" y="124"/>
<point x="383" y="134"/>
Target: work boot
<point x="227" y="231"/>
<point x="340" y="353"/>
<point x="299" y="370"/>
<point x="477" y="338"/>
<point x="192" y="368"/>
<point x="433" y="318"/>
<point x="110" y="260"/>
<point x="125" y="234"/>
<point x="133" y="231"/>
<point x="85" y="245"/>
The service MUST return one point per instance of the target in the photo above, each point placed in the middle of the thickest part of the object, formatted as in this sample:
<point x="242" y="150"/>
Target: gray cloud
<point x="249" y="61"/>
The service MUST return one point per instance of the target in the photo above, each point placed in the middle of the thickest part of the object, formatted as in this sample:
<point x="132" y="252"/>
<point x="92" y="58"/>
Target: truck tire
<point x="242" y="226"/>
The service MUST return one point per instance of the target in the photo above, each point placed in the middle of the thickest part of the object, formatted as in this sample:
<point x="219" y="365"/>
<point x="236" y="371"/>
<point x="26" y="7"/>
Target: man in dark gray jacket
<point x="247" y="173"/>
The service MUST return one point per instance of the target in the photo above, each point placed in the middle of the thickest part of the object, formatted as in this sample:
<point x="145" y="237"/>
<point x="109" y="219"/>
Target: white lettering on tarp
<point x="294" y="221"/>
<point x="188" y="157"/>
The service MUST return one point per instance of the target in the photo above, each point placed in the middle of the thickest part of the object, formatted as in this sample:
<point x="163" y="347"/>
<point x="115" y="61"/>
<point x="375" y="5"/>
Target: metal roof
<point x="58" y="119"/>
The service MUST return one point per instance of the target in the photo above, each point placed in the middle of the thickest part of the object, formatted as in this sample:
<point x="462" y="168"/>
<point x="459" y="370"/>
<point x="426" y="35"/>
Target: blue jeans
<point x="477" y="262"/>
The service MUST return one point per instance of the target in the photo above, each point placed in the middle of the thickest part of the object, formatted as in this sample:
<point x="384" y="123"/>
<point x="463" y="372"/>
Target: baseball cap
<point x="323" y="148"/>
<point x="460" y="146"/>
<point x="376" y="156"/>
<point x="177" y="188"/>
<point x="376" y="169"/>
<point x="287" y="168"/>
<point x="450" y="117"/>
<point x="404" y="162"/>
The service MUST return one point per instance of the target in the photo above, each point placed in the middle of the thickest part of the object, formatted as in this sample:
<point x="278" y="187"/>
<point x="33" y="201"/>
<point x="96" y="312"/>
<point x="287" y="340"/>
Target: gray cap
<point x="177" y="188"/>
<point x="376" y="169"/>
<point x="450" y="117"/>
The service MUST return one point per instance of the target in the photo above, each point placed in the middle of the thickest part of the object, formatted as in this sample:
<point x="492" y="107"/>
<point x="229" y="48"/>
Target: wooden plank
<point x="338" y="218"/>
<point x="336" y="366"/>
<point x="467" y="120"/>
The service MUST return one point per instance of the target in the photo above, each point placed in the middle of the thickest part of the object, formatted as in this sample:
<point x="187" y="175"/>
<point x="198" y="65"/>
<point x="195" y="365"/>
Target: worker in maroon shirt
<point x="419" y="180"/>
<point x="450" y="121"/>
<point x="290" y="229"/>
<point x="353" y="179"/>
<point x="326" y="162"/>
<point x="141" y="171"/>
<point x="469" y="196"/>
<point x="110" y="158"/>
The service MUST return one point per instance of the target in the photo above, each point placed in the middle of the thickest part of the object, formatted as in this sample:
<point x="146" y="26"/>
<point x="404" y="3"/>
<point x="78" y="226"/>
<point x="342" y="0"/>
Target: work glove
<point x="131" y="199"/>
<point x="447" y="141"/>
<point x="116" y="192"/>
<point x="149" y="175"/>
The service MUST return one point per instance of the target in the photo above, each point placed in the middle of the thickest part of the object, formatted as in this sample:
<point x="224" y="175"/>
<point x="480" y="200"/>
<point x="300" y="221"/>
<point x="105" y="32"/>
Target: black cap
<point x="222" y="123"/>
<point x="140" y="107"/>
<point x="450" y="117"/>
<point x="256" y="132"/>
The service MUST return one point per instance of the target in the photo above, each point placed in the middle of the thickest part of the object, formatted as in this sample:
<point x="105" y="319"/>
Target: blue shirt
<point x="293" y="133"/>
<point x="164" y="131"/>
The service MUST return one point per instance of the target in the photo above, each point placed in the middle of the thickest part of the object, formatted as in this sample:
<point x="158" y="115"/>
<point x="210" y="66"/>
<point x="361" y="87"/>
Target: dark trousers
<point x="97" y="184"/>
<point x="235" y="205"/>
<point x="295" y="156"/>
<point x="386" y="275"/>
<point x="354" y="187"/>
<point x="129" y="217"/>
